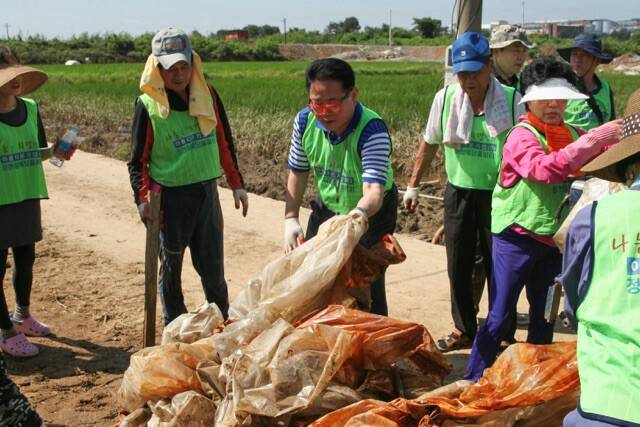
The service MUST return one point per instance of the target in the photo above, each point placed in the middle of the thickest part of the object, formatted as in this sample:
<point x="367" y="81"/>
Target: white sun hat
<point x="555" y="88"/>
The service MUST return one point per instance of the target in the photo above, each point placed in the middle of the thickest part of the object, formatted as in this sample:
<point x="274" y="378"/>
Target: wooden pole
<point x="469" y="16"/>
<point x="151" y="270"/>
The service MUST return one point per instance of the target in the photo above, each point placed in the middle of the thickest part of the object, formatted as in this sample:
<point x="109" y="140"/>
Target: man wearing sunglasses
<point x="348" y="148"/>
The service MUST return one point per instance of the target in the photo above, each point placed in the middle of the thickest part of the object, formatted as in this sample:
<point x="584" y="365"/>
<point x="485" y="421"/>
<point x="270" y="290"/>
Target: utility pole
<point x="284" y="22"/>
<point x="522" y="13"/>
<point x="7" y="28"/>
<point x="469" y="16"/>
<point x="390" y="42"/>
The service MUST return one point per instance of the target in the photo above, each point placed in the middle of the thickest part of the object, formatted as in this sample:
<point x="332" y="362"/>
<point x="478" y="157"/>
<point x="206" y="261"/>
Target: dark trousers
<point x="191" y="218"/>
<point x="517" y="260"/>
<point x="23" y="259"/>
<point x="467" y="225"/>
<point x="383" y="222"/>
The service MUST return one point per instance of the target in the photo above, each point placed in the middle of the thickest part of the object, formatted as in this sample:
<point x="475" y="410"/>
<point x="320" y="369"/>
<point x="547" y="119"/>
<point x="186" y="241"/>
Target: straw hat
<point x="32" y="78"/>
<point x="603" y="166"/>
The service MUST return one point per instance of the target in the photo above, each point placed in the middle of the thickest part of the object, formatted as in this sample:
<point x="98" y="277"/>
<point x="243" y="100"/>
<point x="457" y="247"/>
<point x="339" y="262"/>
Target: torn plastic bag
<point x="293" y="285"/>
<point x="161" y="372"/>
<point x="188" y="409"/>
<point x="594" y="189"/>
<point x="385" y="340"/>
<point x="193" y="326"/>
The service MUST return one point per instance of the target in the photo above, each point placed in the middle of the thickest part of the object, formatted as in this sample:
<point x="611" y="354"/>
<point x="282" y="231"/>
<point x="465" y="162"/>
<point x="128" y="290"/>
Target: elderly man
<point x="471" y="120"/>
<point x="584" y="56"/>
<point x="347" y="146"/>
<point x="509" y="51"/>
<point x="601" y="280"/>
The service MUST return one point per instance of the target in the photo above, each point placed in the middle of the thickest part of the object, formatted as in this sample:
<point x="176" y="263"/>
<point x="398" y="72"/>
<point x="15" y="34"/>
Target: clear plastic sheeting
<point x="161" y="372"/>
<point x="193" y="326"/>
<point x="529" y="385"/>
<point x="188" y="409"/>
<point x="293" y="285"/>
<point x="594" y="189"/>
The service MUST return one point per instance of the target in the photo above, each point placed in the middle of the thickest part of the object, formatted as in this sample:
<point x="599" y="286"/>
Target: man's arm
<point x="296" y="186"/>
<point x="372" y="198"/>
<point x="141" y="142"/>
<point x="577" y="261"/>
<point x="427" y="149"/>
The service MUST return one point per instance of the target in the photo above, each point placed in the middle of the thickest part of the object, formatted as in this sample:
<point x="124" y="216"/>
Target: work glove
<point x="240" y="196"/>
<point x="607" y="133"/>
<point x="293" y="234"/>
<point x="359" y="213"/>
<point x="410" y="198"/>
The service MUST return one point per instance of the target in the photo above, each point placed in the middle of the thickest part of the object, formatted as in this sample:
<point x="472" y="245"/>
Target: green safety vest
<point x="530" y="204"/>
<point x="21" y="172"/>
<point x="181" y="154"/>
<point x="474" y="165"/>
<point x="579" y="114"/>
<point x="338" y="167"/>
<point x="609" y="316"/>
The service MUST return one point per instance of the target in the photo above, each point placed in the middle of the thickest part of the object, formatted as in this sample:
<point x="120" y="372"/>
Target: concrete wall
<point x="309" y="52"/>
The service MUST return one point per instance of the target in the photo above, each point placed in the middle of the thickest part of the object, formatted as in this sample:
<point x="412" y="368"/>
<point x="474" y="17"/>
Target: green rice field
<point x="261" y="98"/>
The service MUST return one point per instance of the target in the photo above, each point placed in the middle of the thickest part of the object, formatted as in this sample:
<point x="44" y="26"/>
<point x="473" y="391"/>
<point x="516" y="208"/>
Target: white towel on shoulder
<point x="496" y="109"/>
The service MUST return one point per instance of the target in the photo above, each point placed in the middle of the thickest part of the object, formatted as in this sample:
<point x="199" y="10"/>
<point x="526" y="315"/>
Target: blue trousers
<point x="517" y="260"/>
<point x="191" y="218"/>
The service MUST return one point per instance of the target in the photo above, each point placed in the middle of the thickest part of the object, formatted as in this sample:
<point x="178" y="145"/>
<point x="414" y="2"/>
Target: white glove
<point x="293" y="234"/>
<point x="358" y="212"/>
<point x="144" y="212"/>
<point x="240" y="196"/>
<point x="410" y="198"/>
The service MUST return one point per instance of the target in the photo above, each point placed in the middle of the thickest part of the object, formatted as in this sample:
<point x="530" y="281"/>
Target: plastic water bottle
<point x="67" y="143"/>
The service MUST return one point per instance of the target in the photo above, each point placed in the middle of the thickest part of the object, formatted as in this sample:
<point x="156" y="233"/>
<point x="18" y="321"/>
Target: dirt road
<point x="89" y="275"/>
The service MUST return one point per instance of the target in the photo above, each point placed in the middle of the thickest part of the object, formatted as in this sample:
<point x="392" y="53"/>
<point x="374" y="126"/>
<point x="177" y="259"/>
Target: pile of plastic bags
<point x="528" y="385"/>
<point x="288" y="355"/>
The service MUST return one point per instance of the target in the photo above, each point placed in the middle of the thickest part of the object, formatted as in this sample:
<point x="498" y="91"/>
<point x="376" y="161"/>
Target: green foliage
<point x="427" y="27"/>
<point x="349" y="25"/>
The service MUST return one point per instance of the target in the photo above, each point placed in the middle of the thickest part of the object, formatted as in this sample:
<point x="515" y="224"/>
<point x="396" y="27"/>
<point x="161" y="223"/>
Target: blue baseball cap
<point x="470" y="52"/>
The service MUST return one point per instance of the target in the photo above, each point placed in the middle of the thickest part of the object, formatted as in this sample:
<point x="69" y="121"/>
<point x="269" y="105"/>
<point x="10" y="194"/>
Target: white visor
<point x="556" y="88"/>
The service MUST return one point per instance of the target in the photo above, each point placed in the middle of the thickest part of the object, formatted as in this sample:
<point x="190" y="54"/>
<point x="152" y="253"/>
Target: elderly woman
<point x="601" y="279"/>
<point x="540" y="155"/>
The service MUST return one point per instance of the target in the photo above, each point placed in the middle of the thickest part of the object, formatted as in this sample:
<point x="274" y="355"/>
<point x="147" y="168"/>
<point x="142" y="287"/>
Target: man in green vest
<point x="181" y="145"/>
<point x="601" y="280"/>
<point x="348" y="148"/>
<point x="509" y="51"/>
<point x="585" y="55"/>
<point x="470" y="120"/>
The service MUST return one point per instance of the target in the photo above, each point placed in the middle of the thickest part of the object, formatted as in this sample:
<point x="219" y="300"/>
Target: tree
<point x="427" y="27"/>
<point x="349" y="25"/>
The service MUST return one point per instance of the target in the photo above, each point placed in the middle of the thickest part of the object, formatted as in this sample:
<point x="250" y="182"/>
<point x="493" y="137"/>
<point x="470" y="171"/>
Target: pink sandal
<point x="31" y="327"/>
<point x="18" y="346"/>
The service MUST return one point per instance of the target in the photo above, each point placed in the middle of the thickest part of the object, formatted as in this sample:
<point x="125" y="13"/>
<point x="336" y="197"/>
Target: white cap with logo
<point x="171" y="45"/>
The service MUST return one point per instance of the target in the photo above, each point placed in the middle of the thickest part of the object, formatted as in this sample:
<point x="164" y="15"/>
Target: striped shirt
<point x="374" y="145"/>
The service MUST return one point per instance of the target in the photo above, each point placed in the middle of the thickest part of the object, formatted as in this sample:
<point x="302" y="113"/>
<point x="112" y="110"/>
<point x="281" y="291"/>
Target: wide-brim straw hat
<point x="603" y="166"/>
<point x="32" y="78"/>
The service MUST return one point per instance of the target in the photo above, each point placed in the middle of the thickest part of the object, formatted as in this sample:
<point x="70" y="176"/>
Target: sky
<point x="63" y="18"/>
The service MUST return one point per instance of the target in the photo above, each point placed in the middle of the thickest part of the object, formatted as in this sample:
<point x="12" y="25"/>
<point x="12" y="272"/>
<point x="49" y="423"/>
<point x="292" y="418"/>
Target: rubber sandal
<point x="18" y="346"/>
<point x="31" y="327"/>
<point x="453" y="341"/>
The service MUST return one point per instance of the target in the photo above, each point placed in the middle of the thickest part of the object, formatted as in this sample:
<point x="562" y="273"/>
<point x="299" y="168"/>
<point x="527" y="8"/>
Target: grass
<point x="261" y="99"/>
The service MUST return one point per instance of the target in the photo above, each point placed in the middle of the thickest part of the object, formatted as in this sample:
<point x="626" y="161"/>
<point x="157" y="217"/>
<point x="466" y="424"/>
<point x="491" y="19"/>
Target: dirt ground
<point x="89" y="278"/>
